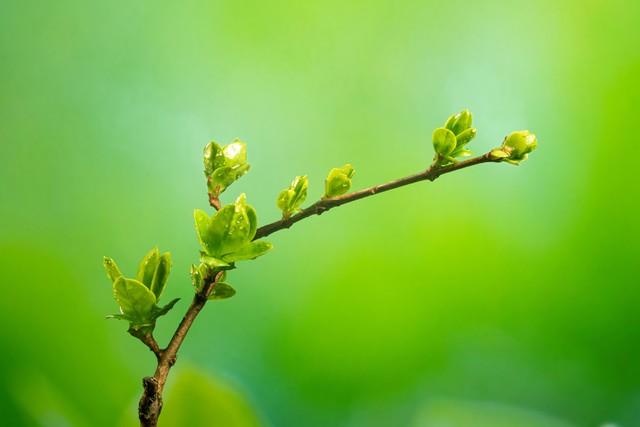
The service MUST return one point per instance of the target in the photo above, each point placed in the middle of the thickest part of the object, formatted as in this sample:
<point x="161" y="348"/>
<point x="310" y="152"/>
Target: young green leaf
<point x="136" y="301"/>
<point x="232" y="227"/>
<point x="214" y="263"/>
<point x="338" y="182"/>
<point x="225" y="176"/>
<point x="224" y="165"/>
<point x="213" y="158"/>
<point x="284" y="200"/>
<point x="148" y="266"/>
<point x="444" y="141"/>
<point x="459" y="122"/>
<point x="252" y="216"/>
<point x="235" y="153"/>
<point x="161" y="275"/>
<point x="218" y="227"/>
<point x="238" y="232"/>
<point x="465" y="137"/>
<point x="112" y="269"/>
<point x="229" y="231"/>
<point x="251" y="251"/>
<point x="203" y="230"/>
<point x="290" y="199"/>
<point x="221" y="290"/>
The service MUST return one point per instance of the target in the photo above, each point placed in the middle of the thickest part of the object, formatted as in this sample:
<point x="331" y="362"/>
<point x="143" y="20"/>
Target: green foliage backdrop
<point x="498" y="295"/>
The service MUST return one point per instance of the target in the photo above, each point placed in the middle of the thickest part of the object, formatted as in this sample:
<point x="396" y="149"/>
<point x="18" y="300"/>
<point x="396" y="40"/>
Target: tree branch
<point x="150" y="403"/>
<point x="323" y="205"/>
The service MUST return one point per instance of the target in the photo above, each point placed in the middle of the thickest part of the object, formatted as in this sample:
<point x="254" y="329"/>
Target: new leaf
<point x="227" y="236"/>
<point x="136" y="301"/>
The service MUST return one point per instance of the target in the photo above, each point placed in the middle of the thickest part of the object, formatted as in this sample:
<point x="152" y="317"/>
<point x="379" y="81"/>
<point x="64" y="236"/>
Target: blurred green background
<point x="497" y="296"/>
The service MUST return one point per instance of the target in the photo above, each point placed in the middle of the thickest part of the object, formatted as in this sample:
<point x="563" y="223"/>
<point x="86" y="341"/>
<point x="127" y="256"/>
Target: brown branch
<point x="150" y="403"/>
<point x="431" y="174"/>
<point x="214" y="202"/>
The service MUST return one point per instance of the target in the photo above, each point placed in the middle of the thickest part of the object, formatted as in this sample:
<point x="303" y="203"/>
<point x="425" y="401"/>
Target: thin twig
<point x="323" y="205"/>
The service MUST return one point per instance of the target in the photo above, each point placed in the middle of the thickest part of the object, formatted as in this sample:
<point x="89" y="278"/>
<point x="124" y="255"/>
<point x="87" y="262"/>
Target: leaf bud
<point x="224" y="165"/>
<point x="518" y="145"/>
<point x="459" y="122"/>
<point x="338" y="181"/>
<point x="290" y="199"/>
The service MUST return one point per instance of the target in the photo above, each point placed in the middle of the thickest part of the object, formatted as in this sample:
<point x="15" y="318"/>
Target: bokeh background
<point x="497" y="296"/>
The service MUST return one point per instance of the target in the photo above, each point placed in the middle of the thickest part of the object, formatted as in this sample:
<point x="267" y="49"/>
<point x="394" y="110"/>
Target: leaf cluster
<point x="226" y="238"/>
<point x="224" y="165"/>
<point x="138" y="297"/>
<point x="450" y="140"/>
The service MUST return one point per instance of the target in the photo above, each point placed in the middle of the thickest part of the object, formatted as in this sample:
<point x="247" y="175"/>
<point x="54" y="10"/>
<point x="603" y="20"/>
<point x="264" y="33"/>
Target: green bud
<point x="290" y="199"/>
<point x="459" y="122"/>
<point x="518" y="145"/>
<point x="338" y="181"/>
<point x="224" y="165"/>
<point x="444" y="141"/>
<point x="136" y="301"/>
<point x="448" y="148"/>
<point x="227" y="236"/>
<point x="466" y="136"/>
